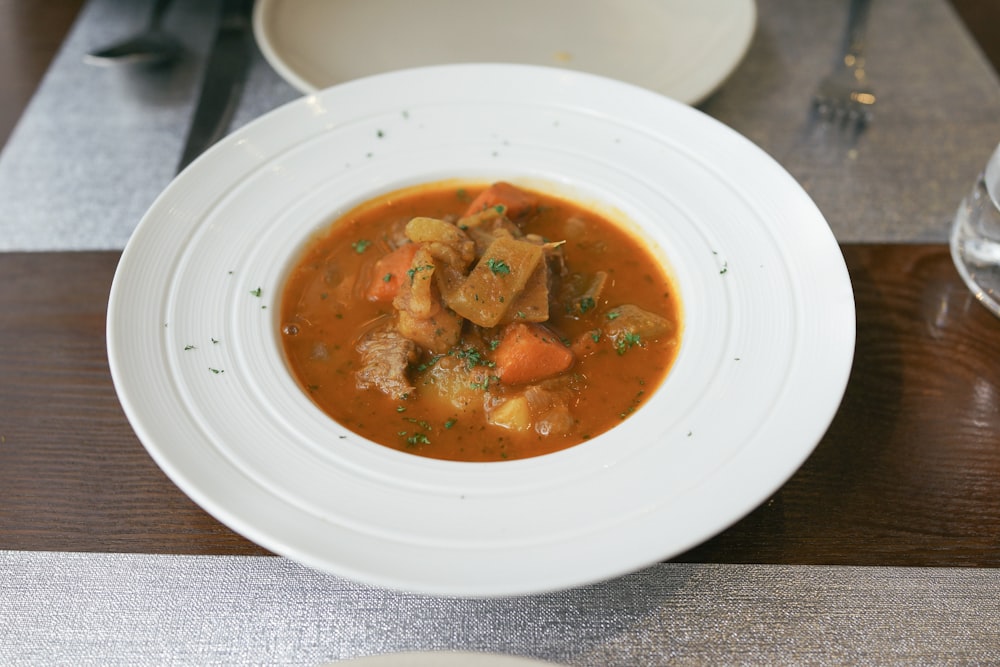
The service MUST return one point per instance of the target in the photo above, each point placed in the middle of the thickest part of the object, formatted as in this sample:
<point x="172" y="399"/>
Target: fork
<point x="845" y="94"/>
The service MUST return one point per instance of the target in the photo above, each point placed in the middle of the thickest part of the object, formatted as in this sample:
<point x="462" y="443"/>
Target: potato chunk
<point x="496" y="281"/>
<point x="445" y="241"/>
<point x="514" y="414"/>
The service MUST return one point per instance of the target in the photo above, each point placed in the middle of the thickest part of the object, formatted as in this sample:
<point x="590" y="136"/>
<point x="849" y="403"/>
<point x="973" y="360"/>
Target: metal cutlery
<point x="152" y="46"/>
<point x="223" y="80"/>
<point x="845" y="95"/>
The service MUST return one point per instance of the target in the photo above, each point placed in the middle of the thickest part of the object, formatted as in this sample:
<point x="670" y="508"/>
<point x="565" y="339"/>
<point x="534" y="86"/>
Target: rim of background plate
<point x="691" y="88"/>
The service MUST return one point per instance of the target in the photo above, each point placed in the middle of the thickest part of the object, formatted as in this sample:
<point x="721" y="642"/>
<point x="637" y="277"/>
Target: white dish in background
<point x="764" y="360"/>
<point x="681" y="48"/>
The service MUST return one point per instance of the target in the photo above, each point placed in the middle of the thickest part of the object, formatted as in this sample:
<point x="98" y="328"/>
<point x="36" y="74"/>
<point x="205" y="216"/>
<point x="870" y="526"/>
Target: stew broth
<point x="513" y="381"/>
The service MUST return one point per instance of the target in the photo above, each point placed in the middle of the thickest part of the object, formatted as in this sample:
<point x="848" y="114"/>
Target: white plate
<point x="681" y="48"/>
<point x="765" y="356"/>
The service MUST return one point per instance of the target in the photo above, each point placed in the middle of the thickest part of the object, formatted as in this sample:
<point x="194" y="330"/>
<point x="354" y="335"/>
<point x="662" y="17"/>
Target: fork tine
<point x="844" y="97"/>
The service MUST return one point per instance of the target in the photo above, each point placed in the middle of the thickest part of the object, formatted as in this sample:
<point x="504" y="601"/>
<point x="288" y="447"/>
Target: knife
<point x="223" y="80"/>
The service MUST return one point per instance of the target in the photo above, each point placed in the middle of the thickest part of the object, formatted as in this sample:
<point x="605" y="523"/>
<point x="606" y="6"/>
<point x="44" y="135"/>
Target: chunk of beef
<point x="385" y="356"/>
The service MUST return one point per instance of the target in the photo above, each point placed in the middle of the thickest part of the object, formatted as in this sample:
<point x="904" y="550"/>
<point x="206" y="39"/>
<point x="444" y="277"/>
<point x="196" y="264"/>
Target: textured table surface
<point x="96" y="146"/>
<point x="126" y="610"/>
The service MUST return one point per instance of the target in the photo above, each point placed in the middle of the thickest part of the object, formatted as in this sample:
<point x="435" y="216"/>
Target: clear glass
<point x="975" y="236"/>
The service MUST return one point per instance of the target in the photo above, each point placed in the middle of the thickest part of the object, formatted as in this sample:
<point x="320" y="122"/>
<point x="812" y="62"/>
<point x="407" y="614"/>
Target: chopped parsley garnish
<point x="632" y="408"/>
<point x="412" y="273"/>
<point x="587" y="303"/>
<point x="256" y="292"/>
<point x="613" y="315"/>
<point x="361" y="245"/>
<point x="418" y="439"/>
<point x="430" y="362"/>
<point x="450" y="423"/>
<point x="498" y="266"/>
<point x="473" y="358"/>
<point x="485" y="384"/>
<point x="189" y="347"/>
<point x="387" y="277"/>
<point x="216" y="370"/>
<point x="626" y="341"/>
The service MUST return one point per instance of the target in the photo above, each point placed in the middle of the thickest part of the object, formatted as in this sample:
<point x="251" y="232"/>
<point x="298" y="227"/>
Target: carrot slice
<point x="528" y="353"/>
<point x="390" y="271"/>
<point x="515" y="200"/>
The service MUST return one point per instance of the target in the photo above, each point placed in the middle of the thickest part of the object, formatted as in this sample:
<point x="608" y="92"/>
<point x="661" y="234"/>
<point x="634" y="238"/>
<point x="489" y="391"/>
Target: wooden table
<point x="908" y="474"/>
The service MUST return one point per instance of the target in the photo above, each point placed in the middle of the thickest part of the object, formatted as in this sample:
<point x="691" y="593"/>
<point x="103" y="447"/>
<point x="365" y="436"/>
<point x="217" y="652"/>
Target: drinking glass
<point x="975" y="236"/>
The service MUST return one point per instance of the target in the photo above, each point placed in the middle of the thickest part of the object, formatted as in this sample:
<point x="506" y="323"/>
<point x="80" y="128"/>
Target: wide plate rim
<point x="259" y="514"/>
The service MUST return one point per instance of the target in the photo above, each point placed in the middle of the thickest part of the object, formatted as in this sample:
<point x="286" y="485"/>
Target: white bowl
<point x="765" y="356"/>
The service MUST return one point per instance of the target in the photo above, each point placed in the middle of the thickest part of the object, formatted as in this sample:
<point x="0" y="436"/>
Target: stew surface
<point x="478" y="322"/>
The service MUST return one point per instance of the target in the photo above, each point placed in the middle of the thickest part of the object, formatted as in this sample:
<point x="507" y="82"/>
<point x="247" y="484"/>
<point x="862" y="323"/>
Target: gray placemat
<point x="96" y="145"/>
<point x="127" y="609"/>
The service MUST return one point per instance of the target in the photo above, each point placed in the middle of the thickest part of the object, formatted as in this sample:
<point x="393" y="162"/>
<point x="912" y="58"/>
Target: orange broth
<point x="324" y="313"/>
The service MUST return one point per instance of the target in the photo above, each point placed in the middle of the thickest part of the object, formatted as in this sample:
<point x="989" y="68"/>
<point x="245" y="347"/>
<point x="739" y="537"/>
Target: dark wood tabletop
<point x="908" y="473"/>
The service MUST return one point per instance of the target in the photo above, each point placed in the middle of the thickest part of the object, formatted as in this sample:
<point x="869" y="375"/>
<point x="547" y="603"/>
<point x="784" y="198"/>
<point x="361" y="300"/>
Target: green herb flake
<point x="450" y="423"/>
<point x="412" y="273"/>
<point x="387" y="277"/>
<point x="498" y="266"/>
<point x="418" y="439"/>
<point x="216" y="371"/>
<point x="419" y="422"/>
<point x="256" y="292"/>
<point x="587" y="303"/>
<point x="189" y="347"/>
<point x="430" y="362"/>
<point x="627" y="341"/>
<point x="485" y="384"/>
<point x="473" y="358"/>
<point x="361" y="245"/>
<point x="613" y="315"/>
